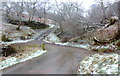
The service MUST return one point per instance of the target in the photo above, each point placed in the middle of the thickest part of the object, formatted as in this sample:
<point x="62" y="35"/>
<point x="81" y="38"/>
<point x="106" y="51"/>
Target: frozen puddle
<point x="13" y="60"/>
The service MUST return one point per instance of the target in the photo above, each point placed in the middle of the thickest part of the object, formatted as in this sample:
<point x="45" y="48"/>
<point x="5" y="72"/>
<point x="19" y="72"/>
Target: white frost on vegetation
<point x="85" y="46"/>
<point x="52" y="38"/>
<point x="99" y="64"/>
<point x="13" y="60"/>
<point x="52" y="25"/>
<point x="35" y="54"/>
<point x="9" y="62"/>
<point x="17" y="41"/>
<point x="11" y="32"/>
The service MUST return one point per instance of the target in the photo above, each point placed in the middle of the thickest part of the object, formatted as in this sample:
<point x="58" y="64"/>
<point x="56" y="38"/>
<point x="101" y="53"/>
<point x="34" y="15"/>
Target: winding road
<point x="58" y="60"/>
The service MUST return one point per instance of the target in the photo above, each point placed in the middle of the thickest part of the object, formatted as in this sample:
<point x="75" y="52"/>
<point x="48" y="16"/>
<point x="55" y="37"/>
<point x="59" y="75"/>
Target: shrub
<point x="7" y="51"/>
<point x="5" y="39"/>
<point x="32" y="24"/>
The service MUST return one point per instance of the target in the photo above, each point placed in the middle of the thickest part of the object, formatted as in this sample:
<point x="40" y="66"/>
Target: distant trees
<point x="42" y="9"/>
<point x="69" y="16"/>
<point x="18" y="8"/>
<point x="95" y="13"/>
<point x="7" y="8"/>
<point x="30" y="8"/>
<point x="119" y="9"/>
<point x="102" y="10"/>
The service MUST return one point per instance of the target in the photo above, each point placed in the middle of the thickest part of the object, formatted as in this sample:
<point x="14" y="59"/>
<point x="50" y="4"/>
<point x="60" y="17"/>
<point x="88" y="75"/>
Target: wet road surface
<point x="58" y="60"/>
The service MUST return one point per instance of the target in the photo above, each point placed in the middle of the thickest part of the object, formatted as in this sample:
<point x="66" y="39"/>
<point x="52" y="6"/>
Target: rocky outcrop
<point x="107" y="34"/>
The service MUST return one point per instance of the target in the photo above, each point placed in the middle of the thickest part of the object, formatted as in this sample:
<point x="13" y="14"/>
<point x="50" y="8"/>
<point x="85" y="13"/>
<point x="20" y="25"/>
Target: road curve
<point x="58" y="60"/>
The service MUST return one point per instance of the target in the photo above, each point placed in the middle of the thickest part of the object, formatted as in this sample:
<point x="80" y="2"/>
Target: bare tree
<point x="18" y="8"/>
<point x="119" y="9"/>
<point x="70" y="15"/>
<point x="100" y="11"/>
<point x="103" y="8"/>
<point x="30" y="9"/>
<point x="7" y="6"/>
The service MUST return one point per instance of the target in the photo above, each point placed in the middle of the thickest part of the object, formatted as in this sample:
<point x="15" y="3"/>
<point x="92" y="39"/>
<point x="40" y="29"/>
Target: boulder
<point x="107" y="34"/>
<point x="65" y="39"/>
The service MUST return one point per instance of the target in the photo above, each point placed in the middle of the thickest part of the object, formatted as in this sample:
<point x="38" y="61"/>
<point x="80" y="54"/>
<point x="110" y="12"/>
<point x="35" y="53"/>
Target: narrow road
<point x="58" y="60"/>
<point x="45" y="33"/>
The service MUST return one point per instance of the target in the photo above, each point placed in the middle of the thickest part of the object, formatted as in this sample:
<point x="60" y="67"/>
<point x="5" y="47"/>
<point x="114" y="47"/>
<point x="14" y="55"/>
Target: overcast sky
<point x="86" y="3"/>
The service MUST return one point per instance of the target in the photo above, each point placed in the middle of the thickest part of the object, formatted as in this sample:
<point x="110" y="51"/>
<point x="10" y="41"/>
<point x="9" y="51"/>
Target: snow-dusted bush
<point x="52" y="38"/>
<point x="10" y="61"/>
<point x="99" y="64"/>
<point x="12" y="34"/>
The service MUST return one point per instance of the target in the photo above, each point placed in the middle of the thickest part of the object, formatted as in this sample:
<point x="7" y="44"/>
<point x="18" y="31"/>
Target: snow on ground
<point x="17" y="41"/>
<point x="15" y="33"/>
<point x="52" y="38"/>
<point x="14" y="60"/>
<point x="10" y="61"/>
<point x="52" y="25"/>
<point x="11" y="32"/>
<point x="99" y="64"/>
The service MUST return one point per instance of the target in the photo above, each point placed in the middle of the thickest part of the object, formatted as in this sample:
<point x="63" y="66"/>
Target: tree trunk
<point x="119" y="9"/>
<point x="18" y="28"/>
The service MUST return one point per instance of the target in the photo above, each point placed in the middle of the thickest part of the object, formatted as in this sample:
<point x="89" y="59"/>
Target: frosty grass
<point x="99" y="64"/>
<point x="13" y="60"/>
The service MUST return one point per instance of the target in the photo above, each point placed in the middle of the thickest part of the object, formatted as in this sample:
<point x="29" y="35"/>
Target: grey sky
<point x="86" y="3"/>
